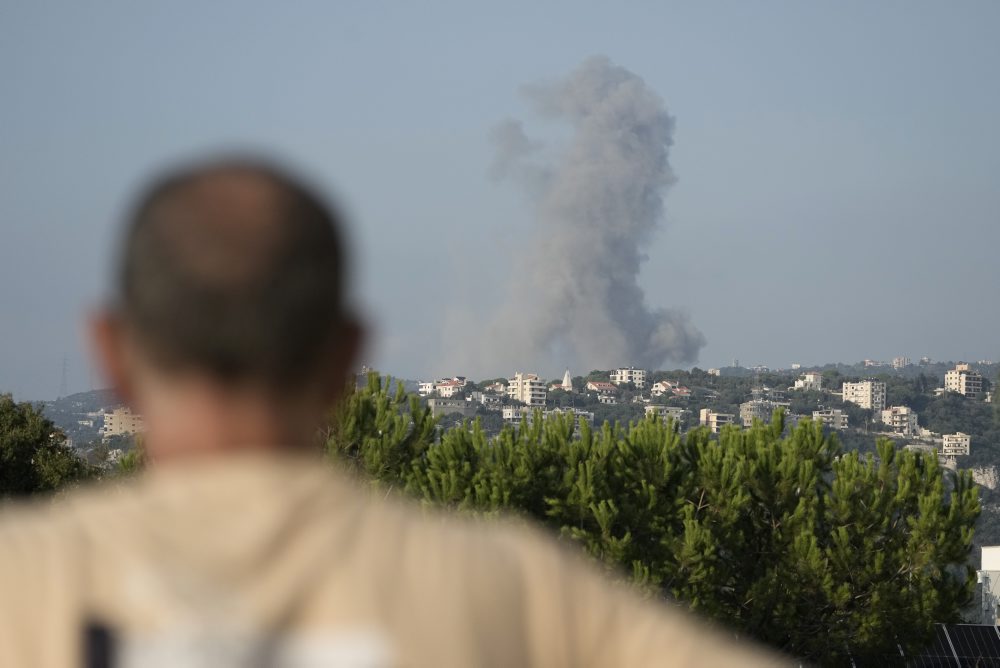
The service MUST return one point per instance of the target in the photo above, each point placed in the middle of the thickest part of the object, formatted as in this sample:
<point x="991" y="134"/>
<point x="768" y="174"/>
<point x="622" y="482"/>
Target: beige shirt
<point x="284" y="562"/>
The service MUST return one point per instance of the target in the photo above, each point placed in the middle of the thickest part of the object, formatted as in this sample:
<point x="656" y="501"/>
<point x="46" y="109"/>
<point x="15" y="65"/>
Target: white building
<point x="956" y="444"/>
<point x="834" y="418"/>
<point x="514" y="414"/>
<point x="122" y="422"/>
<point x="662" y="387"/>
<point x="518" y="414"/>
<point x="629" y="375"/>
<point x="566" y="385"/>
<point x="810" y="380"/>
<point x="444" y="387"/>
<point x="901" y="420"/>
<point x="900" y="362"/>
<point x="715" y="421"/>
<point x="449" y="388"/>
<point x="989" y="577"/>
<point x="666" y="412"/>
<point x="527" y="388"/>
<point x="963" y="380"/>
<point x="868" y="394"/>
<point x="714" y="372"/>
<point x="489" y="401"/>
<point x="575" y="412"/>
<point x="601" y="387"/>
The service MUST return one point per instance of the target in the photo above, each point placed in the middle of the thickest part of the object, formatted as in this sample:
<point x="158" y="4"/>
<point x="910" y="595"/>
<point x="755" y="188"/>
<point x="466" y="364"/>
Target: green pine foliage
<point x="133" y="461"/>
<point x="379" y="431"/>
<point x="779" y="535"/>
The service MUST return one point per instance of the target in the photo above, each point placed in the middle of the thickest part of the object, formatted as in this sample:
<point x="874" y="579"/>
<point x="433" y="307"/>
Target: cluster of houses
<point x="900" y="421"/>
<point x="523" y="394"/>
<point x="520" y="396"/>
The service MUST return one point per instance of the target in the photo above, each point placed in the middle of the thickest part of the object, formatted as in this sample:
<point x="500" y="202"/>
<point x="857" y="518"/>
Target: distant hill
<point x="80" y="415"/>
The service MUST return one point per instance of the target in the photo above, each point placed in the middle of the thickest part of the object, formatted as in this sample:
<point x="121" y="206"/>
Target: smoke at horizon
<point x="574" y="298"/>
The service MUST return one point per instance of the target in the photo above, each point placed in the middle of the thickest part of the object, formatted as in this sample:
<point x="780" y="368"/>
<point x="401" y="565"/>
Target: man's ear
<point x="108" y="346"/>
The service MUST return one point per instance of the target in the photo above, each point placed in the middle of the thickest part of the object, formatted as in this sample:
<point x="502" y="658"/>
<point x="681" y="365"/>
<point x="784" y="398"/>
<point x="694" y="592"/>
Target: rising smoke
<point x="575" y="299"/>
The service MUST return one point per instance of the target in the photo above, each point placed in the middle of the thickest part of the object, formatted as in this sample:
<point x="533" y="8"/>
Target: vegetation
<point x="782" y="537"/>
<point x="33" y="453"/>
<point x="778" y="533"/>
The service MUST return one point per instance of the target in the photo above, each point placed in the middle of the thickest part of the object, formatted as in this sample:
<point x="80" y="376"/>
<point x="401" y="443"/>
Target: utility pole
<point x="64" y="384"/>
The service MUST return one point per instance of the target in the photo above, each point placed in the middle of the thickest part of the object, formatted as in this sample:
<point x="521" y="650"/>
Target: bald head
<point x="235" y="269"/>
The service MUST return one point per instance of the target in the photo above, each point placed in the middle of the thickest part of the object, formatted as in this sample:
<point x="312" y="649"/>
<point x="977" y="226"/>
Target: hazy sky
<point x="836" y="162"/>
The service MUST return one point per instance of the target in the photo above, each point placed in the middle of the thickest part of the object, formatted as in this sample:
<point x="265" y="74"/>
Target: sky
<point x="836" y="162"/>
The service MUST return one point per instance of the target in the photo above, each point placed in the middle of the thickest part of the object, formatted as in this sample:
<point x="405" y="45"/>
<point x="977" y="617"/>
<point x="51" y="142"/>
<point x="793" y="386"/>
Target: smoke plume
<point x="574" y="298"/>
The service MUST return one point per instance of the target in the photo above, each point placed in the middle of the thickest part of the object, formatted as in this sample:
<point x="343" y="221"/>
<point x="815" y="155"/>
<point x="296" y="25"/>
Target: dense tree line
<point x="34" y="456"/>
<point x="779" y="535"/>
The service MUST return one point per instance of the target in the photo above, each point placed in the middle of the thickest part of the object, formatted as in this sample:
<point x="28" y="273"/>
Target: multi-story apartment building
<point x="956" y="444"/>
<point x="122" y="422"/>
<point x="527" y="388"/>
<point x="575" y="412"/>
<point x="810" y="380"/>
<point x="441" y="406"/>
<point x="901" y="420"/>
<point x="868" y="394"/>
<point x="763" y="402"/>
<point x="519" y="414"/>
<point x="900" y="362"/>
<point x="964" y="380"/>
<point x="715" y="421"/>
<point x="629" y="375"/>
<point x="674" y="413"/>
<point x="834" y="418"/>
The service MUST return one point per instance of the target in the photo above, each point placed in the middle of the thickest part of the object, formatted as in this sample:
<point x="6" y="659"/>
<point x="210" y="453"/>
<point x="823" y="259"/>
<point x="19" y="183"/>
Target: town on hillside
<point x="912" y="404"/>
<point x="926" y="406"/>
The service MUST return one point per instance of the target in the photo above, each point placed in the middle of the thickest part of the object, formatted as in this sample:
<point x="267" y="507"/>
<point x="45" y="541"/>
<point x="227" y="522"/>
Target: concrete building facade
<point x="122" y="422"/>
<point x="901" y="420"/>
<point x="957" y="444"/>
<point x="868" y="394"/>
<point x="964" y="380"/>
<point x="715" y="421"/>
<point x="833" y="418"/>
<point x="810" y="380"/>
<point x="629" y="375"/>
<point x="440" y="406"/>
<point x="674" y="413"/>
<point x="527" y="388"/>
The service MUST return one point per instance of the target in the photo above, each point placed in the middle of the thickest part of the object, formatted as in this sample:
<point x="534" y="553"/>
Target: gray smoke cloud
<point x="574" y="298"/>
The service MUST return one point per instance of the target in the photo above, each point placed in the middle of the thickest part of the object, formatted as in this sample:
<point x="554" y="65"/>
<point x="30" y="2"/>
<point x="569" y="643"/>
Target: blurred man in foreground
<point x="239" y="546"/>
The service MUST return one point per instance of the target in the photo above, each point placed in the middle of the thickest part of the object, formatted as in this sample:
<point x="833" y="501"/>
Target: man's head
<point x="231" y="275"/>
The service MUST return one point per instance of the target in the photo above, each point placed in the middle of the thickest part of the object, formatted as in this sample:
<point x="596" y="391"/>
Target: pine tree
<point x="780" y="536"/>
